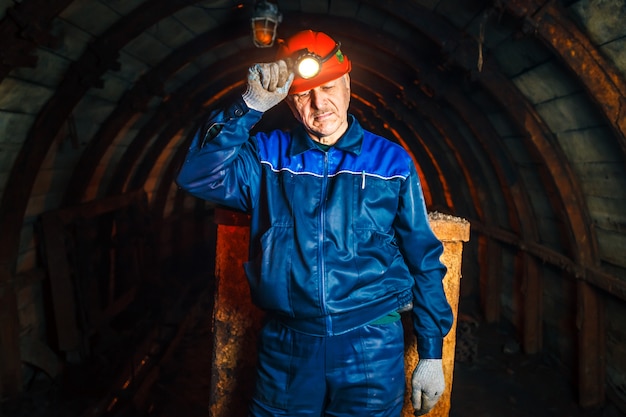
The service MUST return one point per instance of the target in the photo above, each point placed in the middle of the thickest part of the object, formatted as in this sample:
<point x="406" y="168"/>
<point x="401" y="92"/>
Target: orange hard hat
<point x="318" y="47"/>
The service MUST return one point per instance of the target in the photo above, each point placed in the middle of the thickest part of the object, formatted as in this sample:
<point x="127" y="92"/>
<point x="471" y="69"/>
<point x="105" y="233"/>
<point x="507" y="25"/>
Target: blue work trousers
<point x="356" y="374"/>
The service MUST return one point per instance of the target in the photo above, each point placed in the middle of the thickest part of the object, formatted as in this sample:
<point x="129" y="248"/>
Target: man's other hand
<point x="428" y="384"/>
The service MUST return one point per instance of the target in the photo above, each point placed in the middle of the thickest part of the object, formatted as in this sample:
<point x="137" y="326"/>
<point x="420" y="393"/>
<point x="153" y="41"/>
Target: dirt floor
<point x="492" y="378"/>
<point x="502" y="381"/>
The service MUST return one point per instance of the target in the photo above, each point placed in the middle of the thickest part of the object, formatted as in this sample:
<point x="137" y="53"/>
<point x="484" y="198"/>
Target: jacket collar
<point x="350" y="141"/>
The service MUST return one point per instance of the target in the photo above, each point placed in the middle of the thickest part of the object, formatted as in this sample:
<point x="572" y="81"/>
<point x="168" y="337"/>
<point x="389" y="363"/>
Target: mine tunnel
<point x="514" y="112"/>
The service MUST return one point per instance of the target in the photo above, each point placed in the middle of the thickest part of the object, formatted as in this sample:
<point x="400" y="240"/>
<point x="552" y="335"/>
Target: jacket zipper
<point x="322" y="235"/>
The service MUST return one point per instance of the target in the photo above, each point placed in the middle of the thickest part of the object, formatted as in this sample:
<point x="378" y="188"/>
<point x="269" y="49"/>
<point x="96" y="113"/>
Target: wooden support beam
<point x="490" y="253"/>
<point x="592" y="275"/>
<point x="61" y="286"/>
<point x="10" y="361"/>
<point x="591" y="346"/>
<point x="532" y="307"/>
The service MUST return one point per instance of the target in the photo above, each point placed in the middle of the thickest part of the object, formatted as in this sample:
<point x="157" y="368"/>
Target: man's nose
<point x="317" y="98"/>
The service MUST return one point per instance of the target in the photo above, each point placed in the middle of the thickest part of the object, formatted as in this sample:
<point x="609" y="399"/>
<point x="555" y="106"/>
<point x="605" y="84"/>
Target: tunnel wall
<point x="96" y="98"/>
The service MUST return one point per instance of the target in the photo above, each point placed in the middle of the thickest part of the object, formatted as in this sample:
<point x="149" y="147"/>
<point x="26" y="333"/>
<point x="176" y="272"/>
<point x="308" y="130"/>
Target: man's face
<point x="323" y="110"/>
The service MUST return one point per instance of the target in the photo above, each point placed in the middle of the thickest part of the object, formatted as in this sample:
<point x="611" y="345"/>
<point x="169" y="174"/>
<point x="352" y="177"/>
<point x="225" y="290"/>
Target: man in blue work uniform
<point x="340" y="241"/>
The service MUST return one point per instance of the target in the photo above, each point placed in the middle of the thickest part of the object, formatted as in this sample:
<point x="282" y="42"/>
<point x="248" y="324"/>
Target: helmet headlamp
<point x="308" y="64"/>
<point x="314" y="57"/>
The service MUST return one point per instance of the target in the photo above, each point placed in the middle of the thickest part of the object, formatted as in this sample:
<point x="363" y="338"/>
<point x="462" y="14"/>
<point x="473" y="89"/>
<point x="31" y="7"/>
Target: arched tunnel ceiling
<point x="136" y="77"/>
<point x="513" y="110"/>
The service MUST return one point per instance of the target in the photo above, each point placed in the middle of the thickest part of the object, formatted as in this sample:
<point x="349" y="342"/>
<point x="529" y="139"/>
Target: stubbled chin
<point x="326" y="125"/>
<point x="324" y="132"/>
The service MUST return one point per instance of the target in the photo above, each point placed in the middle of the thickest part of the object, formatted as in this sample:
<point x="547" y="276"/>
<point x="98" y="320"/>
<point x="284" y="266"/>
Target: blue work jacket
<point x="338" y="238"/>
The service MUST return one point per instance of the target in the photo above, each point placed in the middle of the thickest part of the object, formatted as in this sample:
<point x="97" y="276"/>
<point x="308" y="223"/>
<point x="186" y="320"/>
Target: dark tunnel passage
<point x="513" y="112"/>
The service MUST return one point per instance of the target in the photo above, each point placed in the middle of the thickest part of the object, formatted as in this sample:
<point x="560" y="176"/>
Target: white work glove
<point x="268" y="85"/>
<point x="427" y="384"/>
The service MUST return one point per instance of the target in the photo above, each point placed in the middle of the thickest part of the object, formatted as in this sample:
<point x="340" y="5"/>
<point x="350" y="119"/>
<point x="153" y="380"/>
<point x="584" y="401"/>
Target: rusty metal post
<point x="452" y="231"/>
<point x="236" y="322"/>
